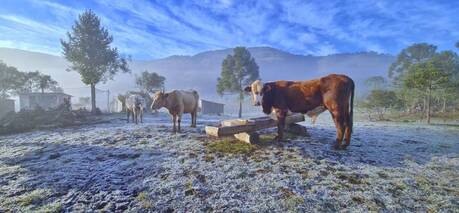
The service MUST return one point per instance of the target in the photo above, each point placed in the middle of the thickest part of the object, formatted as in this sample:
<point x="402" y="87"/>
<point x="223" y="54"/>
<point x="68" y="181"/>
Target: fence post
<point x="108" y="100"/>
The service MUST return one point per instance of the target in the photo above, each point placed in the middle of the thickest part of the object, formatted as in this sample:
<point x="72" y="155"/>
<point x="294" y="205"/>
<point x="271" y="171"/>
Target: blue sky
<point x="154" y="29"/>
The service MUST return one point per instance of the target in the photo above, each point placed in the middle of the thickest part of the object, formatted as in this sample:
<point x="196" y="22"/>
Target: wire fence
<point x="81" y="98"/>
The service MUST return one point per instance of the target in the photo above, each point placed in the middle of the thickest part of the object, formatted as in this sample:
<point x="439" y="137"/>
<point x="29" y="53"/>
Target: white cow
<point x="135" y="105"/>
<point x="177" y="102"/>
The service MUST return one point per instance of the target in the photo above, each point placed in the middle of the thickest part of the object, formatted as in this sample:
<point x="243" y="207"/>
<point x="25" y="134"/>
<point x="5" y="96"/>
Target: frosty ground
<point x="116" y="166"/>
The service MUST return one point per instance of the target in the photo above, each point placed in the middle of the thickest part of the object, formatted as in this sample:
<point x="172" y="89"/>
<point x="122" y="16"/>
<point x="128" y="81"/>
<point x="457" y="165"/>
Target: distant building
<point x="44" y="100"/>
<point x="6" y="106"/>
<point x="116" y="105"/>
<point x="209" y="107"/>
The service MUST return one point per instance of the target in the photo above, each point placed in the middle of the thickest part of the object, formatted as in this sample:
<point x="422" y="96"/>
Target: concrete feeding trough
<point x="246" y="129"/>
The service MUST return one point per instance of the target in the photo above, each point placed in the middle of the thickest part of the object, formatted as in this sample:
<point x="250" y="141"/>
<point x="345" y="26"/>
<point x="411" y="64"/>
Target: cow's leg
<point x="347" y="131"/>
<point x="280" y="124"/>
<point x="196" y="117"/>
<point x="136" y="116"/>
<point x="141" y="115"/>
<point x="339" y="124"/>
<point x="347" y="135"/>
<point x="193" y="119"/>
<point x="174" y="116"/>
<point x="127" y="113"/>
<point x="133" y="116"/>
<point x="179" y="120"/>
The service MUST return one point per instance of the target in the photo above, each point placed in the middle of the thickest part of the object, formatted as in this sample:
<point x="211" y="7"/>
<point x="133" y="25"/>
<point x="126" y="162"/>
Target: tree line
<point x="88" y="48"/>
<point x="422" y="81"/>
<point x="15" y="82"/>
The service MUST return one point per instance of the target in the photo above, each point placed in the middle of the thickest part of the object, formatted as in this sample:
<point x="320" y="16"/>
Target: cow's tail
<point x="351" y="107"/>
<point x="196" y="95"/>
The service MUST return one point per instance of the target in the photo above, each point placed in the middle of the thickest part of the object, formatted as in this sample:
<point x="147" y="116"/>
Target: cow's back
<point x="130" y="101"/>
<point x="135" y="100"/>
<point x="189" y="99"/>
<point x="336" y="84"/>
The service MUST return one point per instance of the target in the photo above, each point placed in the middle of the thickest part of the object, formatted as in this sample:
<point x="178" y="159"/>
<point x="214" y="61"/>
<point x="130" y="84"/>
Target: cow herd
<point x="334" y="93"/>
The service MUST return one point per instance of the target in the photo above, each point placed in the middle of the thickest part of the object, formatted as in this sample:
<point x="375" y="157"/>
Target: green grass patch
<point x="445" y="145"/>
<point x="144" y="200"/>
<point x="265" y="138"/>
<point x="397" y="188"/>
<point x="33" y="197"/>
<point x="230" y="146"/>
<point x="51" y="208"/>
<point x="358" y="199"/>
<point x="351" y="178"/>
<point x="291" y="200"/>
<point x="189" y="190"/>
<point x="209" y="158"/>
<point x="423" y="183"/>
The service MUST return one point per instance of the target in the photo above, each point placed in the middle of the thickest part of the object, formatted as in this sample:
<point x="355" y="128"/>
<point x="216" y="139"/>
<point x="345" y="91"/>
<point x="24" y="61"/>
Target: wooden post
<point x="251" y="137"/>
<point x="250" y="125"/>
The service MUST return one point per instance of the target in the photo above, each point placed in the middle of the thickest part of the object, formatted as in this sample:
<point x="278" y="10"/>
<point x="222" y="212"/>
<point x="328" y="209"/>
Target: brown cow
<point x="178" y="102"/>
<point x="334" y="93"/>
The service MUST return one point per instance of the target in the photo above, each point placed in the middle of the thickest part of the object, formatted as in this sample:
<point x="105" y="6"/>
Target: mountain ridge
<point x="200" y="71"/>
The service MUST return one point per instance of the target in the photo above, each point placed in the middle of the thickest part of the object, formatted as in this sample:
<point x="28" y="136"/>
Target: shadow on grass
<point x="76" y="177"/>
<point x="382" y="147"/>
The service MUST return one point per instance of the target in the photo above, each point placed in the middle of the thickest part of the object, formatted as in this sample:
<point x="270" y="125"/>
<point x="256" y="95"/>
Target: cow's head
<point x="159" y="100"/>
<point x="262" y="94"/>
<point x="267" y="100"/>
<point x="255" y="91"/>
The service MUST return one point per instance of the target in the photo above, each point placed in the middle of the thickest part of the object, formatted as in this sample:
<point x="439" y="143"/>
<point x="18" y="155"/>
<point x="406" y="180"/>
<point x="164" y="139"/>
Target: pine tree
<point x="88" y="49"/>
<point x="238" y="70"/>
<point x="149" y="82"/>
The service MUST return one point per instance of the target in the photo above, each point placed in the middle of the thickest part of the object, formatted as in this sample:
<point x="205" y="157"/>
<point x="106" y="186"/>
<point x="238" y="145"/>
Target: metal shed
<point x="209" y="107"/>
<point x="43" y="100"/>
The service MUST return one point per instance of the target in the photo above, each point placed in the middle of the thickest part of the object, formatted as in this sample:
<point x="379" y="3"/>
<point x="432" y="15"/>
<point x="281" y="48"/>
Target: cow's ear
<point x="248" y="89"/>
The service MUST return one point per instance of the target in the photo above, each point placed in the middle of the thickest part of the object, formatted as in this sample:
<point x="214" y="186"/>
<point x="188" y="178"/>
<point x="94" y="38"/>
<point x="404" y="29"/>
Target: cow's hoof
<point x="337" y="146"/>
<point x="278" y="139"/>
<point x="344" y="146"/>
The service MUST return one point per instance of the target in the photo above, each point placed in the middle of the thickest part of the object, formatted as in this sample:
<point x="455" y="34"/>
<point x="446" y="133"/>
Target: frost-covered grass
<point x="118" y="167"/>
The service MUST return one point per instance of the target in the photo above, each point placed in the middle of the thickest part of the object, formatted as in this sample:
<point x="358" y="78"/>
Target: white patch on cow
<point x="256" y="88"/>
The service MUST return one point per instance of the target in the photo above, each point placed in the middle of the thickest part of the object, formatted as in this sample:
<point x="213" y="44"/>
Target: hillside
<point x="200" y="71"/>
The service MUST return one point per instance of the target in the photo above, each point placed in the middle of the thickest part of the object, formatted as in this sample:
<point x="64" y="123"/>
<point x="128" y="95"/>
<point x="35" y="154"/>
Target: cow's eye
<point x="256" y="93"/>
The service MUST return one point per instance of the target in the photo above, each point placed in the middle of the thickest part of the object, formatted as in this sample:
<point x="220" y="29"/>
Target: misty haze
<point x="229" y="106"/>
